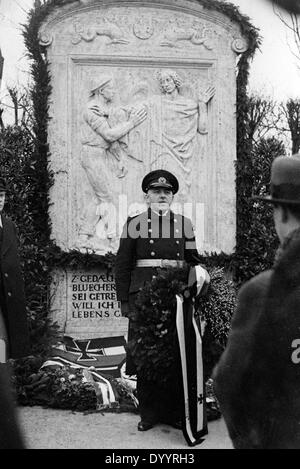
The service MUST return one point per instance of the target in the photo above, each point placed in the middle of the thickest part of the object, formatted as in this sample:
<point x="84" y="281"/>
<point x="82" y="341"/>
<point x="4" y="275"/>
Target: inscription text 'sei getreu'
<point x="94" y="297"/>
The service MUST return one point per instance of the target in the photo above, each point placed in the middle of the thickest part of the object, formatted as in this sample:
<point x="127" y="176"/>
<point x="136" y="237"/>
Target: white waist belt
<point x="159" y="263"/>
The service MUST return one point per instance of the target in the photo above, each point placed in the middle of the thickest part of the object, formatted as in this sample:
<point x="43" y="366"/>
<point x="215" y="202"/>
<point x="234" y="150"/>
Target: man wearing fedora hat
<point x="257" y="380"/>
<point x="103" y="157"/>
<point x="14" y="340"/>
<point x="156" y="239"/>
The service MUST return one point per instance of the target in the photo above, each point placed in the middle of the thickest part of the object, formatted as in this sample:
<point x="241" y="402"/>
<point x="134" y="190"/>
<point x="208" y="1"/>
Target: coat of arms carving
<point x="143" y="28"/>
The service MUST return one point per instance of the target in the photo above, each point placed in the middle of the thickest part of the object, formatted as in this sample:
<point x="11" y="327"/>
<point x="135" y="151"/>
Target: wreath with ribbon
<point x="154" y="327"/>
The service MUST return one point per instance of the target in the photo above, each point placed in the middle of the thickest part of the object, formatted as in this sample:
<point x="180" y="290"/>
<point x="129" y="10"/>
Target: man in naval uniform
<point x="155" y="239"/>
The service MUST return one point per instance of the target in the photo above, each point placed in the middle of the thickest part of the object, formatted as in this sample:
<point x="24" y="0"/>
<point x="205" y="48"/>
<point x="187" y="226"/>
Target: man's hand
<point x="98" y="111"/>
<point x="124" y="308"/>
<point x="207" y="95"/>
<point x="138" y="116"/>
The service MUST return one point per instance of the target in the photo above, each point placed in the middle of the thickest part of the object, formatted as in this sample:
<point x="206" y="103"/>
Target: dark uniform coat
<point x="12" y="297"/>
<point x="257" y="380"/>
<point x="150" y="236"/>
<point x="143" y="238"/>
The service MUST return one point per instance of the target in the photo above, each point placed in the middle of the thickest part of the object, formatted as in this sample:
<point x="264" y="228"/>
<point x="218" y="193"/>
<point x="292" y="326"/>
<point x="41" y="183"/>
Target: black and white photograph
<point x="149" y="225"/>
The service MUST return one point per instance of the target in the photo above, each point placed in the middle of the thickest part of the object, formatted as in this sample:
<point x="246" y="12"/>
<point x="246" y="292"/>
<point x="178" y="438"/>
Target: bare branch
<point x="292" y="24"/>
<point x="1" y="119"/>
<point x="291" y="112"/>
<point x="21" y="104"/>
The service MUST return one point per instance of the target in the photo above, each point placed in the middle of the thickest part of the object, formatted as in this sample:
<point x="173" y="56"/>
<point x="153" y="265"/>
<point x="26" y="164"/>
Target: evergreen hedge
<point x="256" y="237"/>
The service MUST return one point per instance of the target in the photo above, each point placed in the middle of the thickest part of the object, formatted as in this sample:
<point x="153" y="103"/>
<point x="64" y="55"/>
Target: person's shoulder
<point x="9" y="225"/>
<point x="257" y="285"/>
<point x="182" y="218"/>
<point x="137" y="217"/>
<point x="7" y="220"/>
<point x="250" y="302"/>
<point x="143" y="214"/>
<point x="187" y="225"/>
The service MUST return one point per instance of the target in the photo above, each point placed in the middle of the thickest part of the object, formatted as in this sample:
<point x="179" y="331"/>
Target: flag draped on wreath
<point x="191" y="361"/>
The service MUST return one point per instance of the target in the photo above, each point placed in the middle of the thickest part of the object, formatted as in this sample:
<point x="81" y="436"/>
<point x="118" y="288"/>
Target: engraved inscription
<point x="93" y="297"/>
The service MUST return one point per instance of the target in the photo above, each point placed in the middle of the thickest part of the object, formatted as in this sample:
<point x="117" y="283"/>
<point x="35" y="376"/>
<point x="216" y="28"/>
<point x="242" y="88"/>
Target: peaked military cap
<point x="285" y="181"/>
<point x="160" y="178"/>
<point x="3" y="186"/>
<point x="99" y="83"/>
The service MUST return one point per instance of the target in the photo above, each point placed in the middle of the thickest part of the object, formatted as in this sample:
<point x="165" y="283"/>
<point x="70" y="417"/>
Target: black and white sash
<point x="190" y="349"/>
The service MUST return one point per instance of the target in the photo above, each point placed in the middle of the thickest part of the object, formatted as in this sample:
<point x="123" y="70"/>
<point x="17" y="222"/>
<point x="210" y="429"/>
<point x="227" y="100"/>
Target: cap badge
<point x="162" y="180"/>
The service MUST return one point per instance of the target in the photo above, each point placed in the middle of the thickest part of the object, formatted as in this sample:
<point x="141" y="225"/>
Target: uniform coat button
<point x="178" y="254"/>
<point x="9" y="293"/>
<point x="6" y="275"/>
<point x="177" y="231"/>
<point x="177" y="242"/>
<point x="151" y="241"/>
<point x="152" y="253"/>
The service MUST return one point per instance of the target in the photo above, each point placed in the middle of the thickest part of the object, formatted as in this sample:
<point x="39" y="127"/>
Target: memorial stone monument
<point x="136" y="86"/>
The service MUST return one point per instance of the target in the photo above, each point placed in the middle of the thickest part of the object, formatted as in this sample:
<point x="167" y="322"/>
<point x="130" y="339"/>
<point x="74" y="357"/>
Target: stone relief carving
<point x="105" y="28"/>
<point x="45" y="39"/>
<point x="143" y="28"/>
<point x="168" y="139"/>
<point x="167" y="31"/>
<point x="181" y="119"/>
<point x="155" y="130"/>
<point x="239" y="45"/>
<point x="104" y="150"/>
<point x="196" y="34"/>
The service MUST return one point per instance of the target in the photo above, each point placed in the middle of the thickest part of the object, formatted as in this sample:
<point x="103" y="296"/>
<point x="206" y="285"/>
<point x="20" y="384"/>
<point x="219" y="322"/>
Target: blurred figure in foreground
<point x="10" y="433"/>
<point x="14" y="336"/>
<point x="257" y="379"/>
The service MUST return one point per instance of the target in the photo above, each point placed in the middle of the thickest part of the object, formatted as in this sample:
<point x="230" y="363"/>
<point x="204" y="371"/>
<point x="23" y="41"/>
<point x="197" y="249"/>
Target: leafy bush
<point x="17" y="164"/>
<point x="256" y="237"/>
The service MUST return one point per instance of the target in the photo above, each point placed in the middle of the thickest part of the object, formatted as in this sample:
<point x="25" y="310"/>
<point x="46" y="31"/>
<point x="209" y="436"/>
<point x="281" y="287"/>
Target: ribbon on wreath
<point x="188" y="329"/>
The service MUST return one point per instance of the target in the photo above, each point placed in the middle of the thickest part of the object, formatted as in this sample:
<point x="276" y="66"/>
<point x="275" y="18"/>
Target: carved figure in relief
<point x="103" y="156"/>
<point x="195" y="34"/>
<point x="178" y="120"/>
<point x="105" y="28"/>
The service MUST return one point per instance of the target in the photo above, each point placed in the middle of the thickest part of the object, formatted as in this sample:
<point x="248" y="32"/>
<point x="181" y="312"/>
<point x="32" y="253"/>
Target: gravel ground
<point x="64" y="429"/>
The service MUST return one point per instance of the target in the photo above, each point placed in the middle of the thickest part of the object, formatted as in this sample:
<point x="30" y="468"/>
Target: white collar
<point x="1" y="224"/>
<point x="161" y="214"/>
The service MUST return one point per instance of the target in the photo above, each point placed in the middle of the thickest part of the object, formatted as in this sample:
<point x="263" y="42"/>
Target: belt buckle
<point x="164" y="263"/>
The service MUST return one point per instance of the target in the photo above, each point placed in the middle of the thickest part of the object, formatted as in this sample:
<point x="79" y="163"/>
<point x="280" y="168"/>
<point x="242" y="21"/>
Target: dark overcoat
<point x="12" y="296"/>
<point x="150" y="236"/>
<point x="11" y="436"/>
<point x="257" y="380"/>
